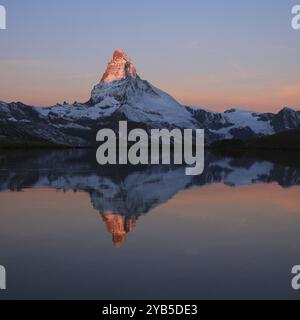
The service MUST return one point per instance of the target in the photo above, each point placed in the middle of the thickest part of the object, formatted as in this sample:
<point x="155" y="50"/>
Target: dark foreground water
<point x="70" y="229"/>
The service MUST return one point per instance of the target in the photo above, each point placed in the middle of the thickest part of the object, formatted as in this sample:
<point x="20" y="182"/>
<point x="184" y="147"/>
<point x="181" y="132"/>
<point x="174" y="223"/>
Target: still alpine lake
<point x="70" y="229"/>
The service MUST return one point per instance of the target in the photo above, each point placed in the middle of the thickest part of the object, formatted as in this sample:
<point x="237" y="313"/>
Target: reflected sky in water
<point x="70" y="229"/>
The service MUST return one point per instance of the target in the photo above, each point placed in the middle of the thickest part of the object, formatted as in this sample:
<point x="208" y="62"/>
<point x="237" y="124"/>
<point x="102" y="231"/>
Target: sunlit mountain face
<point x="122" y="194"/>
<point x="122" y="95"/>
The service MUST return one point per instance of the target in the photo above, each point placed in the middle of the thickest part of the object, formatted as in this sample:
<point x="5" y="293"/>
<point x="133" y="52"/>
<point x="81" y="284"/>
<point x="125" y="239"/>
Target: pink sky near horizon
<point x="44" y="83"/>
<point x="215" y="55"/>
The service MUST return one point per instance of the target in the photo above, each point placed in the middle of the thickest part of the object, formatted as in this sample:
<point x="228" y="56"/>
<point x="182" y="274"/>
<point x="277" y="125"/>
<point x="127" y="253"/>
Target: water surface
<point x="72" y="229"/>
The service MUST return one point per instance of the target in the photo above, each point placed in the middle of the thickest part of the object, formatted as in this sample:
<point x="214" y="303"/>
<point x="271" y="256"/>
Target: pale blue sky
<point x="215" y="54"/>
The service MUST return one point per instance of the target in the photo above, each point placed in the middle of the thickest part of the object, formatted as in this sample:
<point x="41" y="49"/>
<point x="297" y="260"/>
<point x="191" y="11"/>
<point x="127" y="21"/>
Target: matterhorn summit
<point x="119" y="67"/>
<point x="122" y="95"/>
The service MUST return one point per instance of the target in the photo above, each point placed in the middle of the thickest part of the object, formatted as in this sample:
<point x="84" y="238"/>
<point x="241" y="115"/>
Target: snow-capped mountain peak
<point x="119" y="68"/>
<point x="123" y="95"/>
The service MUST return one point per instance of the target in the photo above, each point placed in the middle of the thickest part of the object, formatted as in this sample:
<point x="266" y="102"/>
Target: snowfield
<point x="245" y="119"/>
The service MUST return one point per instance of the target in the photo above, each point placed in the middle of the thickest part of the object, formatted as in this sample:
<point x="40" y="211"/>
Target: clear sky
<point x="214" y="54"/>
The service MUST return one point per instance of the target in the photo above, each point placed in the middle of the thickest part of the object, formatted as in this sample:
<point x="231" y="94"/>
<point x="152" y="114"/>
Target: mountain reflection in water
<point x="121" y="194"/>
